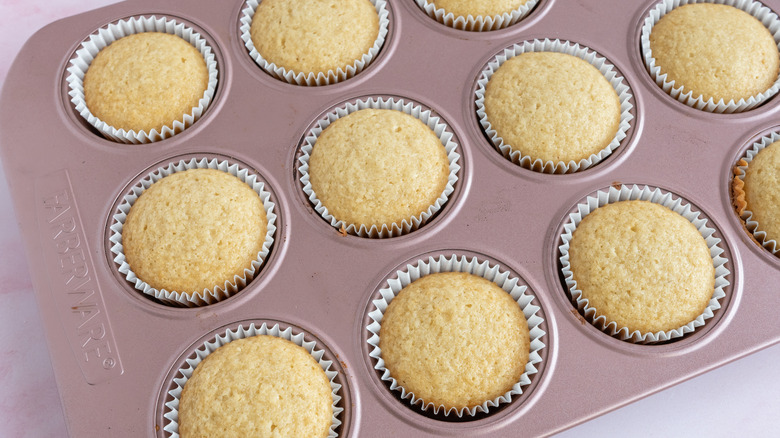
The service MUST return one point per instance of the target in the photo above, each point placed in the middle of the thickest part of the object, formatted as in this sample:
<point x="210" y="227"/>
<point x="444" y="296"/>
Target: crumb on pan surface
<point x="455" y="339"/>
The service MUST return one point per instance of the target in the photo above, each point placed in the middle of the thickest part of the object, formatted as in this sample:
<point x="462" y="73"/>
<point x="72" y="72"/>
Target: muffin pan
<point x="116" y="351"/>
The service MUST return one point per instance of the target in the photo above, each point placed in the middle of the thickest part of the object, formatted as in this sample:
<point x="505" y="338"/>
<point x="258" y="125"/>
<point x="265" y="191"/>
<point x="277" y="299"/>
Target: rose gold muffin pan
<point x="116" y="351"/>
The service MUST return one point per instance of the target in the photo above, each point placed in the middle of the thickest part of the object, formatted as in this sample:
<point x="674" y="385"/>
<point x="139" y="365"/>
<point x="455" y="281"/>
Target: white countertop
<point x="739" y="399"/>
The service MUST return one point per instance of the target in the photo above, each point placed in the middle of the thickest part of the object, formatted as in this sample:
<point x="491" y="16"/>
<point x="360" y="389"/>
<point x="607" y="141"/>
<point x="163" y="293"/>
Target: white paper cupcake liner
<point x="114" y="31"/>
<point x="739" y="175"/>
<point x="407" y="225"/>
<point x="676" y="204"/>
<point x="479" y="23"/>
<point x="311" y="78"/>
<point x="455" y="263"/>
<point x="582" y="52"/>
<point x="754" y="8"/>
<point x="218" y="292"/>
<point x="241" y="332"/>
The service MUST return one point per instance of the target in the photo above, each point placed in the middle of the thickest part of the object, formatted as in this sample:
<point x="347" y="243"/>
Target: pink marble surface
<point x="29" y="401"/>
<point x="740" y="399"/>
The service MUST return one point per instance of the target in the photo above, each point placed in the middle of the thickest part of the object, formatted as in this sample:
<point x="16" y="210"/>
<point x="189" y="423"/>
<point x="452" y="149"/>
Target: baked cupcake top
<point x="145" y="81"/>
<point x="194" y="230"/>
<point x="552" y="106"/>
<point x="716" y="51"/>
<point x="454" y="339"/>
<point x="314" y="36"/>
<point x="762" y="190"/>
<point x="464" y="8"/>
<point x="257" y="386"/>
<point x="642" y="266"/>
<point x="378" y="167"/>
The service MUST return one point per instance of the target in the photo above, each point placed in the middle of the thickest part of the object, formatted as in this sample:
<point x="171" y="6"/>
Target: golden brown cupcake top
<point x="642" y="266"/>
<point x="762" y="190"/>
<point x="194" y="230"/>
<point x="378" y="167"/>
<point x="475" y="8"/>
<point x="715" y="51"/>
<point x="261" y="386"/>
<point x="311" y="36"/>
<point x="552" y="106"/>
<point x="454" y="339"/>
<point x="145" y="81"/>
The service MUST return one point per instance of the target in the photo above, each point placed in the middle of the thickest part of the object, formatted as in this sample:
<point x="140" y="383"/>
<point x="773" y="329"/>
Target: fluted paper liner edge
<point x="672" y="202"/>
<point x="455" y="263"/>
<point x="219" y="291"/>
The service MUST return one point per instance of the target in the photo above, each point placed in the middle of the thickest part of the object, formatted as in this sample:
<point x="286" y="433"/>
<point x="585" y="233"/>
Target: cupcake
<point x="482" y="340"/>
<point x="710" y="56"/>
<point x="145" y="81"/>
<point x="256" y="386"/>
<point x="375" y="170"/>
<point x="149" y="79"/>
<point x="376" y="167"/>
<point x="757" y="191"/>
<point x="314" y="43"/>
<point x="480" y="15"/>
<point x="553" y="107"/>
<point x="255" y="381"/>
<point x="456" y="336"/>
<point x="643" y="266"/>
<point x="657" y="274"/>
<point x="194" y="235"/>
